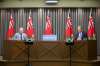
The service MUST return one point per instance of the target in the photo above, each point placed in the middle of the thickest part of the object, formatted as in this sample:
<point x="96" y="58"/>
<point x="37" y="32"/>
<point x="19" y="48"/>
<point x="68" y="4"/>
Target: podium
<point x="50" y="53"/>
<point x="14" y="50"/>
<point x="85" y="50"/>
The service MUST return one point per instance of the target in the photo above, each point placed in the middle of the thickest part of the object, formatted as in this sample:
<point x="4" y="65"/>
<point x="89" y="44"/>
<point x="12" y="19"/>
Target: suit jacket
<point x="82" y="37"/>
<point x="19" y="36"/>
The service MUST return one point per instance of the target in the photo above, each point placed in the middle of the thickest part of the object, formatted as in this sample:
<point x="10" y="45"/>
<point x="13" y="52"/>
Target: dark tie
<point x="21" y="36"/>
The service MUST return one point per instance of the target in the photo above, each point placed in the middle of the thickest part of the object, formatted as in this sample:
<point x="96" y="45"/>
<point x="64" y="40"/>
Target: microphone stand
<point x="28" y="43"/>
<point x="70" y="43"/>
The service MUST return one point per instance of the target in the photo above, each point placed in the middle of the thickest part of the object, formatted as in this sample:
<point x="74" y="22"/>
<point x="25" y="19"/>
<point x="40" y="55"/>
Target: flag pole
<point x="48" y="12"/>
<point x="30" y="18"/>
<point x="70" y="18"/>
<point x="89" y="18"/>
<point x="11" y="13"/>
<point x="30" y="13"/>
<point x="90" y="12"/>
<point x="68" y="12"/>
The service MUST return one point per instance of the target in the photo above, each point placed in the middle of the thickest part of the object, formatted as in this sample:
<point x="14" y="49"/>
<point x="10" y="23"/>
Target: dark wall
<point x="80" y="16"/>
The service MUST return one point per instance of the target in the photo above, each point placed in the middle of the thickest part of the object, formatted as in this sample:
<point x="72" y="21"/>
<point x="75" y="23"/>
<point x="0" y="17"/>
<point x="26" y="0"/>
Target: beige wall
<point x="41" y="3"/>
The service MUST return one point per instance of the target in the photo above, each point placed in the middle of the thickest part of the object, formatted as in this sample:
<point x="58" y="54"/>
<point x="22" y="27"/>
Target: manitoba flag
<point x="68" y="29"/>
<point x="30" y="29"/>
<point x="11" y="30"/>
<point x="48" y="27"/>
<point x="91" y="28"/>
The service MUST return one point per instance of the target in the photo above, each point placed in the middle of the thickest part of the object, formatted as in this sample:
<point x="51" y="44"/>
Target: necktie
<point x="21" y="37"/>
<point x="79" y="36"/>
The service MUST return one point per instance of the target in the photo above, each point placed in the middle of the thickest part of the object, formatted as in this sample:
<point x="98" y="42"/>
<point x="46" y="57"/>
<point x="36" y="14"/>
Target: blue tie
<point x="21" y="36"/>
<point x="80" y="35"/>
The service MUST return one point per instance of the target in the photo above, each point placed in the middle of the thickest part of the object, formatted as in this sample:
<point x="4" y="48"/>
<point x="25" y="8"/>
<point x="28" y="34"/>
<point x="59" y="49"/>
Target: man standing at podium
<point x="20" y="35"/>
<point x="81" y="35"/>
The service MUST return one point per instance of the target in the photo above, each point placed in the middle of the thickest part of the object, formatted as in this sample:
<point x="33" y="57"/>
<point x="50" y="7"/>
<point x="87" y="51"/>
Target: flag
<point x="11" y="30"/>
<point x="48" y="27"/>
<point x="91" y="28"/>
<point x="30" y="29"/>
<point x="68" y="29"/>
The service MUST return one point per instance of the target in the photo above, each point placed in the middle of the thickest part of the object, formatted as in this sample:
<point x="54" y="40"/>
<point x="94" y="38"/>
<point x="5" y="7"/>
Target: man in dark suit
<point x="81" y="35"/>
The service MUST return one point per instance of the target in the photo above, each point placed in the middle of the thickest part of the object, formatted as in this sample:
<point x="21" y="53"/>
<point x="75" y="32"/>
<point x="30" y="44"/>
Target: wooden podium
<point x="49" y="53"/>
<point x="16" y="50"/>
<point x="85" y="50"/>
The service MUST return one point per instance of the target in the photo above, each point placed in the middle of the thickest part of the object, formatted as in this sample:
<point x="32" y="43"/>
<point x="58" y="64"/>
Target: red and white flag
<point x="30" y="29"/>
<point x="91" y="28"/>
<point x="69" y="28"/>
<point x="48" y="27"/>
<point x="11" y="31"/>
